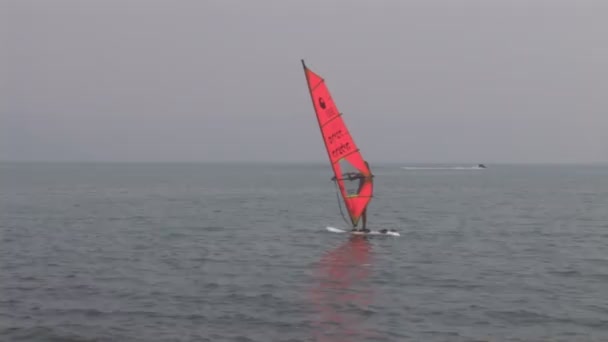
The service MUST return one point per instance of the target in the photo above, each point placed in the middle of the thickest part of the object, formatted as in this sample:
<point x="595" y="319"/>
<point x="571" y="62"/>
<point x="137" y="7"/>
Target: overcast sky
<point x="417" y="80"/>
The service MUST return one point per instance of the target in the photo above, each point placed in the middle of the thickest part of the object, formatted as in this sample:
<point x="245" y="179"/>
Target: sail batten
<point x="328" y="122"/>
<point x="344" y="156"/>
<point x="355" y="151"/>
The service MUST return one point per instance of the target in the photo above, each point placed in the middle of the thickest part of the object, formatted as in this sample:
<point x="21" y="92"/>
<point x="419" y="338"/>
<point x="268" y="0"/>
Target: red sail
<point x="343" y="153"/>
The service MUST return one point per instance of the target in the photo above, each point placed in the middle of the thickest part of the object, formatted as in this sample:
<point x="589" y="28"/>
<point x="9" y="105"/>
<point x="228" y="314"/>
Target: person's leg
<point x="364" y="217"/>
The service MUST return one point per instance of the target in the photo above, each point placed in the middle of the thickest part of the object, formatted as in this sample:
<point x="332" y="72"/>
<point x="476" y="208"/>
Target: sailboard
<point x="344" y="156"/>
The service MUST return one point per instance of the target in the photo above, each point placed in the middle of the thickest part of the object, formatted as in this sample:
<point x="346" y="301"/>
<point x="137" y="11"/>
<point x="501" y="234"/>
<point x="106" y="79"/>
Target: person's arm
<point x="350" y="176"/>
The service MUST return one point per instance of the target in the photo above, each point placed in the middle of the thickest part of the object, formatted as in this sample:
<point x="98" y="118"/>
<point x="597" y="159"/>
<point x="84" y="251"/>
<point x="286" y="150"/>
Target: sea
<point x="241" y="252"/>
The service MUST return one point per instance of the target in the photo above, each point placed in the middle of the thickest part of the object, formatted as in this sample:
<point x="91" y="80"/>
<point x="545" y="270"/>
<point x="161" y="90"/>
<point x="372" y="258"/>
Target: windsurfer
<point x="363" y="178"/>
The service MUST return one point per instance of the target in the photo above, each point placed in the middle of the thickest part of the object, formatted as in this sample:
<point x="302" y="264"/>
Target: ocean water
<point x="240" y="252"/>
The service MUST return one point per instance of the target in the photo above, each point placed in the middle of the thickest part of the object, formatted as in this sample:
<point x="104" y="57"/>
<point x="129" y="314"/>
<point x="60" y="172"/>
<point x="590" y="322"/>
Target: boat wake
<point x="442" y="168"/>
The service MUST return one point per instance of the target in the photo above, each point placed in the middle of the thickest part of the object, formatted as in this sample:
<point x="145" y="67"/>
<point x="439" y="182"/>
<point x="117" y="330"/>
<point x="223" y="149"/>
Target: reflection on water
<point x="341" y="293"/>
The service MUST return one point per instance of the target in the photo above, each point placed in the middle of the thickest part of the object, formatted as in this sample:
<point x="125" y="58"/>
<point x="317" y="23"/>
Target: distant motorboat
<point x="481" y="166"/>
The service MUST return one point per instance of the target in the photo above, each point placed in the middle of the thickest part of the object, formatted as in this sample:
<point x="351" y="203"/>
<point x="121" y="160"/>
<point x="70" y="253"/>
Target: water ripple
<point x="209" y="253"/>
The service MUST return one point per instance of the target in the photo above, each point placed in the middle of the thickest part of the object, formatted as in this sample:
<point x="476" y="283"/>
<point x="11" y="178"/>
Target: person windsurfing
<point x="363" y="179"/>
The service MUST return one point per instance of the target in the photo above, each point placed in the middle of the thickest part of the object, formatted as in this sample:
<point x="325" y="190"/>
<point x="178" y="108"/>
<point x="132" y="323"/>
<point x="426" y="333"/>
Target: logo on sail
<point x="322" y="103"/>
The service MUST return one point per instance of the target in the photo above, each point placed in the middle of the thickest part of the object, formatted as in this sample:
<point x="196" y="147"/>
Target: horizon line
<point x="296" y="162"/>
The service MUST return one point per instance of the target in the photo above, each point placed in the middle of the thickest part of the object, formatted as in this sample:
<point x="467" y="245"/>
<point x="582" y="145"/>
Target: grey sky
<point x="420" y="80"/>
